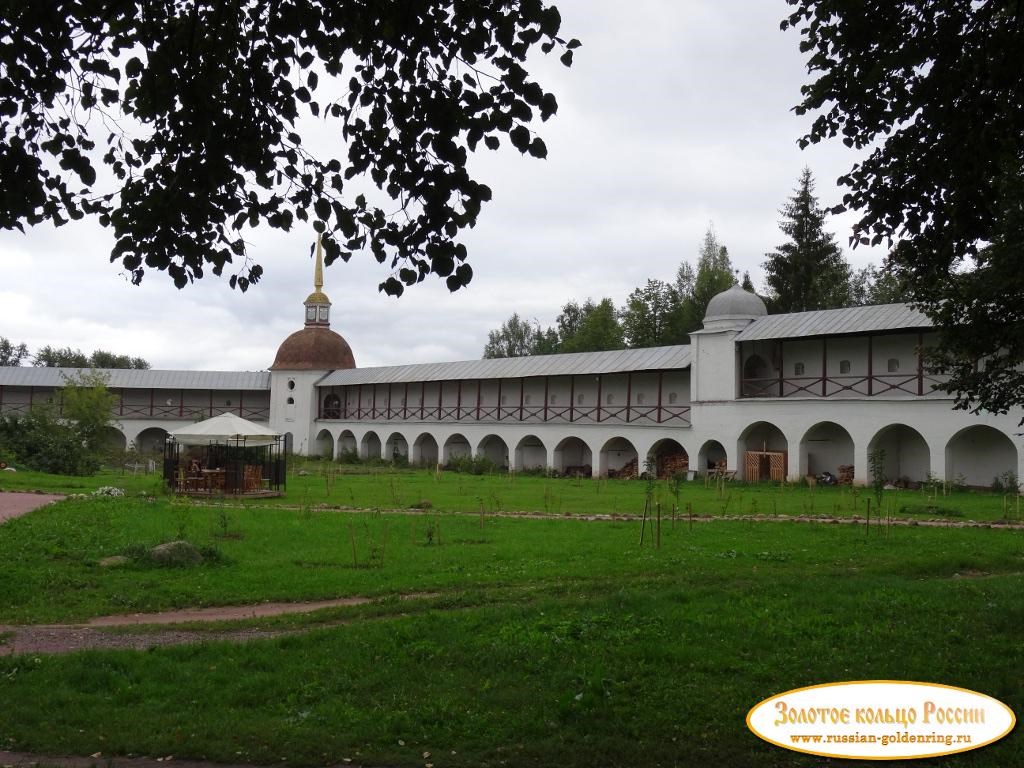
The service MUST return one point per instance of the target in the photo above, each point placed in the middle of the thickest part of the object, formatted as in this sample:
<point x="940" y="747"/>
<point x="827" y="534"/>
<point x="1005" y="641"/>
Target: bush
<point x="1006" y="483"/>
<point x="42" y="441"/>
<point x="480" y="465"/>
<point x="349" y="457"/>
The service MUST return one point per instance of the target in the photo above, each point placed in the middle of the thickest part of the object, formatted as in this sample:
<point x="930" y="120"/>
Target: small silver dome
<point x="735" y="304"/>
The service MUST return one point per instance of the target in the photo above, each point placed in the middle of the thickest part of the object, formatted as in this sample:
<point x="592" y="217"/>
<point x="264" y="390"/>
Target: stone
<point x="178" y="552"/>
<point x="115" y="561"/>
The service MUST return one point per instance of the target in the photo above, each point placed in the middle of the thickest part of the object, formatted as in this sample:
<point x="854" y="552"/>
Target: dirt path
<point x="17" y="504"/>
<point x="96" y="634"/>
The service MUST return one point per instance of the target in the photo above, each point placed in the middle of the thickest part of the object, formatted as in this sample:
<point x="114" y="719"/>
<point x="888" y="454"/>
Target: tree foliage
<point x="67" y="439"/>
<point x="178" y="124"/>
<point x="808" y="271"/>
<point x="647" y="318"/>
<point x="587" y="327"/>
<point x="714" y="274"/>
<point x="11" y="354"/>
<point x="597" y="330"/>
<point x="515" y="338"/>
<point x="935" y="92"/>
<point x="66" y="357"/>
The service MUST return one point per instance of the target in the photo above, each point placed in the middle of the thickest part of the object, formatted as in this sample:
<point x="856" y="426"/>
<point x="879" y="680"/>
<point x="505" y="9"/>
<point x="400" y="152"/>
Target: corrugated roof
<point x="651" y="359"/>
<point x="128" y="378"/>
<point x="835" y="322"/>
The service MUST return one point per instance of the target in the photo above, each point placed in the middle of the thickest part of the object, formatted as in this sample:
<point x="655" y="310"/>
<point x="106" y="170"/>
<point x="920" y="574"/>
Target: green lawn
<point x="554" y="642"/>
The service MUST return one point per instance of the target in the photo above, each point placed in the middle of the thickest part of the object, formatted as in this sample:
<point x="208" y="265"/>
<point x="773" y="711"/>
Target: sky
<point x="675" y="116"/>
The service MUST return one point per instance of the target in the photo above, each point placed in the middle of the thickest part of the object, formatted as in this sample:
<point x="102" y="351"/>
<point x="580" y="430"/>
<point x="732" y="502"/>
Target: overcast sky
<point x="675" y="114"/>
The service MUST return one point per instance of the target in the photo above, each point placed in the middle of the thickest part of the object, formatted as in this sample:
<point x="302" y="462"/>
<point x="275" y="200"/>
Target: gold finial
<point x="318" y="274"/>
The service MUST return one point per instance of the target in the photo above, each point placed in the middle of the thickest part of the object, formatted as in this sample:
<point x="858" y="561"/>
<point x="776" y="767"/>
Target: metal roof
<point x="580" y="363"/>
<point x="130" y="378"/>
<point x="835" y="322"/>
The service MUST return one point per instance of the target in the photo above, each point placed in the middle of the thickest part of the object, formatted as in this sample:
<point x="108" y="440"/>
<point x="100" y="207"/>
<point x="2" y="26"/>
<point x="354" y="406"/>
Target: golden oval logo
<point x="881" y="720"/>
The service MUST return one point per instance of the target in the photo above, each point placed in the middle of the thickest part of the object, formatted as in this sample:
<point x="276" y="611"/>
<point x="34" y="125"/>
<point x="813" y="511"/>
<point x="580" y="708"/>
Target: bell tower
<point x="318" y="306"/>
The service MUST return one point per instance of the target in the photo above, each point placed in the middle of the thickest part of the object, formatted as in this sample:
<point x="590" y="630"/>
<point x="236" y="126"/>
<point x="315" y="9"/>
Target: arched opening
<point x="619" y="459"/>
<point x="455" y="447"/>
<point x="369" y="446"/>
<point x="530" y="454"/>
<point x="324" y="444"/>
<point x="711" y="455"/>
<point x="669" y="458"/>
<point x="424" y="451"/>
<point x="573" y="457"/>
<point x="765" y="453"/>
<point x="396" y="448"/>
<point x="113" y="440"/>
<point x="347" y="445"/>
<point x="827" y="447"/>
<point x="332" y="406"/>
<point x="150" y="442"/>
<point x="979" y="456"/>
<point x="907" y="458"/>
<point x="494" y="449"/>
<point x="289" y="442"/>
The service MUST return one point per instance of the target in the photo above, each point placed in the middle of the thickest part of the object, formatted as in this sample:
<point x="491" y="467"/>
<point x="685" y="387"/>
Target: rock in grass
<point x="176" y="553"/>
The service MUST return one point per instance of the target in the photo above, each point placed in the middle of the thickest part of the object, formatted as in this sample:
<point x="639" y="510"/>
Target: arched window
<point x="893" y="365"/>
<point x="672" y="397"/>
<point x="798" y="369"/>
<point x="526" y="400"/>
<point x="610" y="400"/>
<point x="641" y="398"/>
<point x="553" y="400"/>
<point x="504" y="399"/>
<point x="332" y="406"/>
<point x="291" y="383"/>
<point x="844" y="366"/>
<point x="291" y="401"/>
<point x="579" y="399"/>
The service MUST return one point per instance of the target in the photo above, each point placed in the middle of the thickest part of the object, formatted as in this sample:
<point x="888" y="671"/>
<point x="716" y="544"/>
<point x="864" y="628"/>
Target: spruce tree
<point x="809" y="271"/>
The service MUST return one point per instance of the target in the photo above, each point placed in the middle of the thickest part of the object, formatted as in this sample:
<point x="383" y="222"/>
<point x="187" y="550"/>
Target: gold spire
<point x="318" y="296"/>
<point x="318" y="275"/>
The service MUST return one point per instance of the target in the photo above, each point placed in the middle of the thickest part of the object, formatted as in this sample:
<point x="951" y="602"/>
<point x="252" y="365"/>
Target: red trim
<point x="659" y="396"/>
<point x="629" y="394"/>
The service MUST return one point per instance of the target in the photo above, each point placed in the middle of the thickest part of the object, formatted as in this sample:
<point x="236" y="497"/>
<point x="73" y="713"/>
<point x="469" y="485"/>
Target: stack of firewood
<point x="672" y="464"/>
<point x="629" y="471"/>
<point x="845" y="474"/>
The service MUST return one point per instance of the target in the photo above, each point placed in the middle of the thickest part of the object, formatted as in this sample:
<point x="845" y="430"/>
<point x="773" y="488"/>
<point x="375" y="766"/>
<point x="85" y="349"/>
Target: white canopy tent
<point x="226" y="428"/>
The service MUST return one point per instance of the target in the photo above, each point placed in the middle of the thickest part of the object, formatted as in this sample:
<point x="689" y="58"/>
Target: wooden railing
<point x="674" y="415"/>
<point x="888" y="384"/>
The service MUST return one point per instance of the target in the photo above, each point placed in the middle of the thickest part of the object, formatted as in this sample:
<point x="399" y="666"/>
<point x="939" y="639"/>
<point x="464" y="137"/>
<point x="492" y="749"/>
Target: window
<point x="579" y="399"/>
<point x="227" y="403"/>
<point x="893" y="365"/>
<point x="323" y="313"/>
<point x="640" y="398"/>
<point x="332" y="407"/>
<point x="504" y="399"/>
<point x="798" y="369"/>
<point x="553" y="400"/>
<point x="291" y="401"/>
<point x="291" y="383"/>
<point x="672" y="397"/>
<point x="610" y="400"/>
<point x="526" y="400"/>
<point x="844" y="366"/>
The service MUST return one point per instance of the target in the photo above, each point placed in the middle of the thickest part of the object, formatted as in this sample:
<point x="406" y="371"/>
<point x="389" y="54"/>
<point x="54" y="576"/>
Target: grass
<point x="552" y="641"/>
<point x="318" y="483"/>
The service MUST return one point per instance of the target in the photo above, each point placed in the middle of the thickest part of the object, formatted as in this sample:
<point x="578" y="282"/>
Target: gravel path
<point x="17" y="504"/>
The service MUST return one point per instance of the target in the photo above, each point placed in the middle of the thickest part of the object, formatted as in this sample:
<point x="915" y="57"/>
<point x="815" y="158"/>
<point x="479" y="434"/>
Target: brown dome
<point x="314" y="349"/>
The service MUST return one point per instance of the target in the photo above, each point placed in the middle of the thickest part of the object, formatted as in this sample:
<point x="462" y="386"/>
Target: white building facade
<point x="764" y="396"/>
